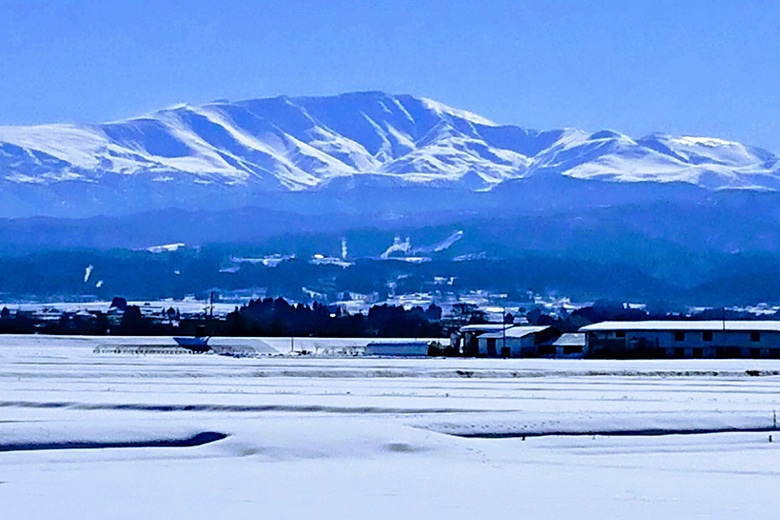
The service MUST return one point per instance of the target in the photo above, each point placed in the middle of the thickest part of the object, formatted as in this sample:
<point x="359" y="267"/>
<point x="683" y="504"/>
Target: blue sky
<point x="683" y="67"/>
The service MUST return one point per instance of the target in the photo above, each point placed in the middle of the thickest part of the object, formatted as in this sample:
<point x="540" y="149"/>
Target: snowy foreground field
<point x="115" y="436"/>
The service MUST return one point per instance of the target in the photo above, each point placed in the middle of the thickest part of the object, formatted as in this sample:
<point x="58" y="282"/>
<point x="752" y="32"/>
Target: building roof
<point x="400" y="344"/>
<point x="484" y="327"/>
<point x="713" y="325"/>
<point x="570" y="339"/>
<point x="514" y="332"/>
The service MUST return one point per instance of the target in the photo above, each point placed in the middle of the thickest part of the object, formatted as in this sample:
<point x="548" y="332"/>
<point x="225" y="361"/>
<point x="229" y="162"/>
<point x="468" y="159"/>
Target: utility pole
<point x="292" y="336"/>
<point x="503" y="330"/>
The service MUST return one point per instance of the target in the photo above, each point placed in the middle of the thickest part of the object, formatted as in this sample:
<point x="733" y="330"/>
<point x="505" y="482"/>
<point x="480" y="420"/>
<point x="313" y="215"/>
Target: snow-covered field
<point x="323" y="437"/>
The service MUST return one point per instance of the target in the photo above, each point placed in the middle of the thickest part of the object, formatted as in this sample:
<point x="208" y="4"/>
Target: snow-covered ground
<point x="320" y="437"/>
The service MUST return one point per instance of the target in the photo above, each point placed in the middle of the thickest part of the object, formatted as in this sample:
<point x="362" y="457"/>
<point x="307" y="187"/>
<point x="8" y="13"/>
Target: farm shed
<point x="465" y="340"/>
<point x="569" y="345"/>
<point x="521" y="341"/>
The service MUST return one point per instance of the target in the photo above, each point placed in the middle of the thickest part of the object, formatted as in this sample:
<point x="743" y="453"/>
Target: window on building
<point x="620" y="334"/>
<point x="698" y="352"/>
<point x="706" y="335"/>
<point x="679" y="336"/>
<point x="755" y="336"/>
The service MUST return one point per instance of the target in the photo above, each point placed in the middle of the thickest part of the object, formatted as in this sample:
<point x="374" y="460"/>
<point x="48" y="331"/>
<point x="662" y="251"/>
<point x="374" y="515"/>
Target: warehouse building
<point x="683" y="339"/>
<point x="408" y="348"/>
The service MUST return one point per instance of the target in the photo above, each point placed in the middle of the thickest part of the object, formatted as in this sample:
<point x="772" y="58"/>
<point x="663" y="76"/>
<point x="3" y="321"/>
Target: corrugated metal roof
<point x="400" y="344"/>
<point x="514" y="332"/>
<point x="570" y="339"/>
<point x="484" y="326"/>
<point x="714" y="325"/>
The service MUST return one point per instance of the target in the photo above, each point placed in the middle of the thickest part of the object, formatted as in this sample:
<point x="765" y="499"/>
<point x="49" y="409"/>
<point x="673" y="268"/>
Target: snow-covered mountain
<point x="244" y="150"/>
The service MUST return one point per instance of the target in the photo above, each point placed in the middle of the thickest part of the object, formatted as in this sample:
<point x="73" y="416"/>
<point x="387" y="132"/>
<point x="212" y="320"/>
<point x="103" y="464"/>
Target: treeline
<point x="131" y="323"/>
<point x="277" y="317"/>
<point x="261" y="317"/>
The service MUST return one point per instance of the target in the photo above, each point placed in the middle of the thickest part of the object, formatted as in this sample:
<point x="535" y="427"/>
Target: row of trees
<point x="277" y="317"/>
<point x="262" y="317"/>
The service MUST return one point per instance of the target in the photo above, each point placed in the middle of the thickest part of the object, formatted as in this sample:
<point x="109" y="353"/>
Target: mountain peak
<point x="301" y="143"/>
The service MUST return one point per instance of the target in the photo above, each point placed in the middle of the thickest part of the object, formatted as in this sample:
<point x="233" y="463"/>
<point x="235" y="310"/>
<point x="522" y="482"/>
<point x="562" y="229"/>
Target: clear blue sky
<point x="702" y="67"/>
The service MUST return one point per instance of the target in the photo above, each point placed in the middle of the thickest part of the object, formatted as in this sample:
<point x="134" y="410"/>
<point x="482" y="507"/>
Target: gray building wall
<point x="409" y="349"/>
<point x="491" y="346"/>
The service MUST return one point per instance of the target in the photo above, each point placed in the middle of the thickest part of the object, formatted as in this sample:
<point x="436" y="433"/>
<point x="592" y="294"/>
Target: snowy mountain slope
<point x="240" y="151"/>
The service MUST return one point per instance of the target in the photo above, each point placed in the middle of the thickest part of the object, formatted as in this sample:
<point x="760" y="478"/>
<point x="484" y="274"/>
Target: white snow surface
<point x="302" y="143"/>
<point x="372" y="438"/>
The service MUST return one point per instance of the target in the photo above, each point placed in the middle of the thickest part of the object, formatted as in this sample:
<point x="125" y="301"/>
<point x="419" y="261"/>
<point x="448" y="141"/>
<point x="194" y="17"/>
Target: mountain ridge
<point x="241" y="151"/>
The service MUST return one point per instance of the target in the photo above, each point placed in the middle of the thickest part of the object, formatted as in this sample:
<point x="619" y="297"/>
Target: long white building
<point x="683" y="339"/>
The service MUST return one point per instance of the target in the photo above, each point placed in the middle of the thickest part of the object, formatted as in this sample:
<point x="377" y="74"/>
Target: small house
<point x="520" y="341"/>
<point x="569" y="345"/>
<point x="465" y="340"/>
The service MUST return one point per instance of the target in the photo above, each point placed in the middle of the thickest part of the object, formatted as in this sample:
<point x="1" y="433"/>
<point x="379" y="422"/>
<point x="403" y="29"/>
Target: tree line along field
<point x="262" y="317"/>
